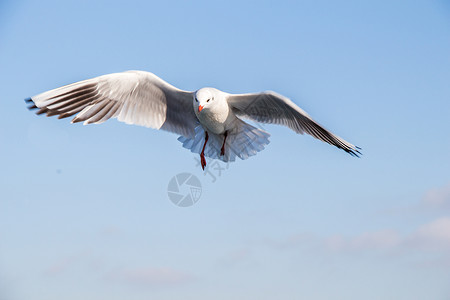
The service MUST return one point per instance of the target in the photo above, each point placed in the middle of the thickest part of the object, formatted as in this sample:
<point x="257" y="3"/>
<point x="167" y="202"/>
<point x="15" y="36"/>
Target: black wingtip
<point x="30" y="101"/>
<point x="356" y="152"/>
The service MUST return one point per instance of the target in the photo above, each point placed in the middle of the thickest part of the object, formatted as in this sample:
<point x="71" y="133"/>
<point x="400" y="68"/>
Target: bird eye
<point x="208" y="100"/>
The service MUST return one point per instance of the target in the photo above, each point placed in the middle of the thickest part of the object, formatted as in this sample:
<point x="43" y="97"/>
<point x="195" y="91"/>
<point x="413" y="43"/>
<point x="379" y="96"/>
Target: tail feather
<point x="245" y="141"/>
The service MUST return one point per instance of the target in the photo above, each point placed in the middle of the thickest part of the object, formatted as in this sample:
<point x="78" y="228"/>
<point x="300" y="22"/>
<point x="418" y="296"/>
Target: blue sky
<point x="84" y="211"/>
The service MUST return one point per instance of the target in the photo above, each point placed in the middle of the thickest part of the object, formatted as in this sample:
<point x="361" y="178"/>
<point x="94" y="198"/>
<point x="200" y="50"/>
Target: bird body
<point x="215" y="114"/>
<point x="209" y="121"/>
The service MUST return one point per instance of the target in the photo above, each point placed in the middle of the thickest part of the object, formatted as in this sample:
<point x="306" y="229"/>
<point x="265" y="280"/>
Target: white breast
<point x="213" y="119"/>
<point x="216" y="117"/>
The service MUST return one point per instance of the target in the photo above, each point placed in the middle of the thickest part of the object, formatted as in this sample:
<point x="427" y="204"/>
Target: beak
<point x="200" y="108"/>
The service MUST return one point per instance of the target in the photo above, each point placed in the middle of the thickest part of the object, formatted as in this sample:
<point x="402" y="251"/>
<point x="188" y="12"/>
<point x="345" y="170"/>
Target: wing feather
<point x="270" y="107"/>
<point x="133" y="97"/>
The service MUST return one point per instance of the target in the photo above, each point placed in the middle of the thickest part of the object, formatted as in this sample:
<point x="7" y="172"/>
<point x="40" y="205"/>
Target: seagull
<point x="210" y="122"/>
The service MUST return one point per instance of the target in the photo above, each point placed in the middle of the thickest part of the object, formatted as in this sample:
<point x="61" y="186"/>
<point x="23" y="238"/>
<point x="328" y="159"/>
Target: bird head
<point x="203" y="99"/>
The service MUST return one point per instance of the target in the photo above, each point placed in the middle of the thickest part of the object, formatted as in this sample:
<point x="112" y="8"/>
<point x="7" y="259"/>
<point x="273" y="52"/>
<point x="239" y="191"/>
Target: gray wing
<point x="133" y="97"/>
<point x="270" y="107"/>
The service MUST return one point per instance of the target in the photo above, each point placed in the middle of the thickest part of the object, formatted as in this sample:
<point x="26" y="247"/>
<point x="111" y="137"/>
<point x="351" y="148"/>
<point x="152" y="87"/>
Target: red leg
<point x="202" y="155"/>
<point x="222" y="150"/>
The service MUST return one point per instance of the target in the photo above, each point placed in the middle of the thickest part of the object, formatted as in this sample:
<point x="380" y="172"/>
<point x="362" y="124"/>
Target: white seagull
<point x="208" y="120"/>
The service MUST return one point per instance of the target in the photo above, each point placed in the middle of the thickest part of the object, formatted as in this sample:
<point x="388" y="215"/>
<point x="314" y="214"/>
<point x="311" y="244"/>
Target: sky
<point x="85" y="212"/>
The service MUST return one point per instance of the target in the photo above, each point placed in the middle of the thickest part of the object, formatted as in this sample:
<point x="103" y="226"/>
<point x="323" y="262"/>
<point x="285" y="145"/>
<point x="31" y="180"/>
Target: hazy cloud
<point x="65" y="263"/>
<point x="432" y="239"/>
<point x="438" y="197"/>
<point x="110" y="231"/>
<point x="384" y="239"/>
<point x="151" y="276"/>
<point x="432" y="236"/>
<point x="235" y="257"/>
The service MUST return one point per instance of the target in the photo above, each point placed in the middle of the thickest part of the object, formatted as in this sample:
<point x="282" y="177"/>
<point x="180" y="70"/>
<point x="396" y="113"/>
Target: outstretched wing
<point x="270" y="107"/>
<point x="133" y="97"/>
